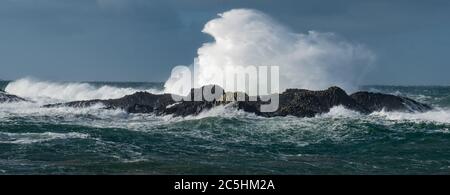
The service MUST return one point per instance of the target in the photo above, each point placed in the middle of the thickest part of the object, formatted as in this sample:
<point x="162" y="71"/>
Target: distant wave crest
<point x="47" y="91"/>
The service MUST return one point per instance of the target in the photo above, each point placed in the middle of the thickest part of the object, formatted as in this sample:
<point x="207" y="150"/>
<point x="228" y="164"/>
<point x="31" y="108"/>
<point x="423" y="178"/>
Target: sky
<point x="142" y="40"/>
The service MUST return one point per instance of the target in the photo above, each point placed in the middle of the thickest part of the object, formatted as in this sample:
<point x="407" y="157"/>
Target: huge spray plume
<point x="245" y="37"/>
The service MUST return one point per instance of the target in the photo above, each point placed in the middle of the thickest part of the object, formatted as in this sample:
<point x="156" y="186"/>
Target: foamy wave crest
<point x="30" y="138"/>
<point x="32" y="109"/>
<point x="224" y="111"/>
<point x="440" y="115"/>
<point x="340" y="112"/>
<point x="43" y="90"/>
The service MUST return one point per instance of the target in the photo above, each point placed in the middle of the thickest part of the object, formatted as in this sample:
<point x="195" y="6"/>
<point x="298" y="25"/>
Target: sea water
<point x="36" y="140"/>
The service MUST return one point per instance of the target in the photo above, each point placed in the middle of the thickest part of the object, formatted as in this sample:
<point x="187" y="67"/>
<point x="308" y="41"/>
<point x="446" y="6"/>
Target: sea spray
<point x="245" y="37"/>
<point x="47" y="91"/>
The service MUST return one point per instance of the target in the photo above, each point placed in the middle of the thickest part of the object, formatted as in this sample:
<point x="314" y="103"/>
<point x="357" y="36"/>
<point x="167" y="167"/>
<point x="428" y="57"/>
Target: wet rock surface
<point x="140" y="102"/>
<point x="378" y="101"/>
<point x="306" y="103"/>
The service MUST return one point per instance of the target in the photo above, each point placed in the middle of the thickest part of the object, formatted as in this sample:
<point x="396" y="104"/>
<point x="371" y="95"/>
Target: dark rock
<point x="295" y="102"/>
<point x="5" y="97"/>
<point x="206" y="93"/>
<point x="306" y="103"/>
<point x="378" y="101"/>
<point x="140" y="102"/>
<point x="194" y="103"/>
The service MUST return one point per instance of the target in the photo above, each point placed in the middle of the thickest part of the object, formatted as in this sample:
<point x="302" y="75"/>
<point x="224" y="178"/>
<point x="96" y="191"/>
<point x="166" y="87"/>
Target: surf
<point x="51" y="91"/>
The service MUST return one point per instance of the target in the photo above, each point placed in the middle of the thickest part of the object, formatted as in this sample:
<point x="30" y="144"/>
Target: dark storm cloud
<point x="142" y="39"/>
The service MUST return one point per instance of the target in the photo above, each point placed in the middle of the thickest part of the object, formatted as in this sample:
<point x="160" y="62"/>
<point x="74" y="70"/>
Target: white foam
<point x="49" y="92"/>
<point x="33" y="109"/>
<point x="93" y="116"/>
<point x="172" y="105"/>
<point x="441" y="115"/>
<point x="224" y="111"/>
<point x="245" y="37"/>
<point x="340" y="112"/>
<point x="30" y="138"/>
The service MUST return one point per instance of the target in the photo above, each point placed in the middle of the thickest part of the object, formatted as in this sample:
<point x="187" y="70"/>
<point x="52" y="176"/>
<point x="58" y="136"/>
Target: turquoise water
<point x="35" y="140"/>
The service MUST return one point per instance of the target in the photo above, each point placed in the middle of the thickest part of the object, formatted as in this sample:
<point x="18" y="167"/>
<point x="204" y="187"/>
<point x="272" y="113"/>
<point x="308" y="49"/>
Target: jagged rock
<point x="164" y="104"/>
<point x="5" y="97"/>
<point x="378" y="101"/>
<point x="196" y="101"/>
<point x="295" y="102"/>
<point x="306" y="103"/>
<point x="140" y="102"/>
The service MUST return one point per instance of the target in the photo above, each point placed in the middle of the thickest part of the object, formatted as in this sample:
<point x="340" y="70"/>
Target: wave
<point x="30" y="138"/>
<point x="224" y="111"/>
<point x="48" y="92"/>
<point x="340" y="112"/>
<point x="94" y="116"/>
<point x="440" y="115"/>
<point x="244" y="39"/>
<point x="18" y="109"/>
<point x="437" y="115"/>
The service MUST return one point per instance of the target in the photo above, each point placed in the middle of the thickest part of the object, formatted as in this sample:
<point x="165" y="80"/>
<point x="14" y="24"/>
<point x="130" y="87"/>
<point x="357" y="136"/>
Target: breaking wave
<point x="437" y="115"/>
<point x="46" y="91"/>
<point x="247" y="38"/>
<point x="440" y="115"/>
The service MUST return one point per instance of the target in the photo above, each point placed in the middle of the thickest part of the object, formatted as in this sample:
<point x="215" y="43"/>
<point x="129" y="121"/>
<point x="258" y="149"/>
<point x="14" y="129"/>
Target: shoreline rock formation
<point x="294" y="102"/>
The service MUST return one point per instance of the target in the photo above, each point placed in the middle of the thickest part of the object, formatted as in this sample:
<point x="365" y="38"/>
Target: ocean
<point x="35" y="140"/>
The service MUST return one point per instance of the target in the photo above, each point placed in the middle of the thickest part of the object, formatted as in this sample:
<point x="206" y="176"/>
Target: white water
<point x="439" y="115"/>
<point x="340" y="112"/>
<point x="95" y="116"/>
<point x="245" y="37"/>
<point x="51" y="92"/>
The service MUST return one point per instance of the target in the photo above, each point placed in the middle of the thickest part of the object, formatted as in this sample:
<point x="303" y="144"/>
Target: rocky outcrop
<point x="159" y="104"/>
<point x="306" y="103"/>
<point x="294" y="102"/>
<point x="378" y="101"/>
<point x="140" y="102"/>
<point x="5" y="97"/>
